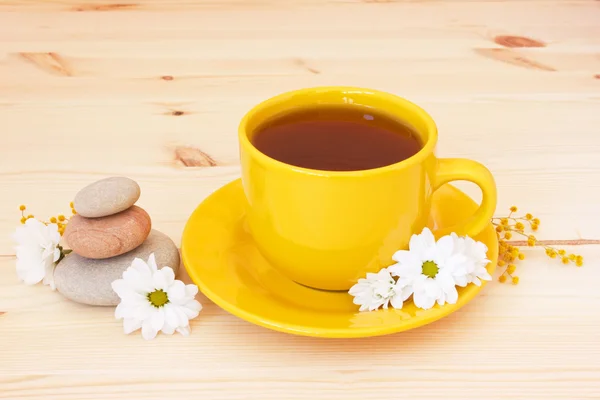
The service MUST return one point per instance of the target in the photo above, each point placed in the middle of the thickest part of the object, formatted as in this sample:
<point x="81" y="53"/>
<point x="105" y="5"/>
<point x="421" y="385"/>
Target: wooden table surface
<point x="155" y="89"/>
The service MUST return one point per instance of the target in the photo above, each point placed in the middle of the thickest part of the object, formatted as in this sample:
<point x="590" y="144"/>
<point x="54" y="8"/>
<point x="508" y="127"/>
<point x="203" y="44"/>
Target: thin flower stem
<point x="573" y="242"/>
<point x="513" y="218"/>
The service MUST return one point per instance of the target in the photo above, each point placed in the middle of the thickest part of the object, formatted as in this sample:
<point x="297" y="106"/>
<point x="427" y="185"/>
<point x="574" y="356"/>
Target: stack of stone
<point x="106" y="235"/>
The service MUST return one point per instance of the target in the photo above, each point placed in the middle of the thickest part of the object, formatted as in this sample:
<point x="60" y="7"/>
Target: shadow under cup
<point x="327" y="229"/>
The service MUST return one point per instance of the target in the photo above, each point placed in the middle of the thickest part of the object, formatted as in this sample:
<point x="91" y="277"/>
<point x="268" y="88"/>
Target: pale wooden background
<point x="142" y="88"/>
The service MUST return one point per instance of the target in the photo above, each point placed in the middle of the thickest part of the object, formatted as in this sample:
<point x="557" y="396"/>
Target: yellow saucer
<point x="221" y="258"/>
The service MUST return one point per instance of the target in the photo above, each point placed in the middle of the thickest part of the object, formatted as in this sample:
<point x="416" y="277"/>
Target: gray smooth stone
<point x="88" y="281"/>
<point x="106" y="197"/>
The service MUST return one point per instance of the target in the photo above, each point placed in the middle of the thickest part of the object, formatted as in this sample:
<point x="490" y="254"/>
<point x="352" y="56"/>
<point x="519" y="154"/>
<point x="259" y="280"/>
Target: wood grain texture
<point x="155" y="90"/>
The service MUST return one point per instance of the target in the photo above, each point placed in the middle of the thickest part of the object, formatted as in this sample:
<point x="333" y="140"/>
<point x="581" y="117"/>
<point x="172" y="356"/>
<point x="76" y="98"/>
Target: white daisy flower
<point x="428" y="269"/>
<point x="37" y="252"/>
<point x="378" y="290"/>
<point x="153" y="300"/>
<point x="475" y="260"/>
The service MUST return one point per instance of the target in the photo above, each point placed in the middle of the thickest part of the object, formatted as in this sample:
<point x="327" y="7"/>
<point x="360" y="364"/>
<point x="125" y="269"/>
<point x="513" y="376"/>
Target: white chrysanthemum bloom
<point x="37" y="252"/>
<point x="428" y="269"/>
<point x="378" y="290"/>
<point x="152" y="299"/>
<point x="475" y="260"/>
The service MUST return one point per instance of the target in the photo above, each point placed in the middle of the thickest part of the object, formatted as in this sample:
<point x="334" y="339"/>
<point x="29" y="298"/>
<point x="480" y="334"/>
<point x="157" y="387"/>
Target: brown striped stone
<point x="110" y="236"/>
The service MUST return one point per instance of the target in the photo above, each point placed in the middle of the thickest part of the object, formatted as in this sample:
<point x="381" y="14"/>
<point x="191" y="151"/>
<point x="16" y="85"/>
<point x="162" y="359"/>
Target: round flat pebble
<point x="110" y="236"/>
<point x="106" y="197"/>
<point x="88" y="281"/>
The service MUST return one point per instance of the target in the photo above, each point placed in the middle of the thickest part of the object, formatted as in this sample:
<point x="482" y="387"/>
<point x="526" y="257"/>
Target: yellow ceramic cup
<point x="327" y="229"/>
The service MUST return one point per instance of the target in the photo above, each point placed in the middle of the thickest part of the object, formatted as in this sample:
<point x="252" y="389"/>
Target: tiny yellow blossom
<point x="565" y="260"/>
<point x="501" y="263"/>
<point x="502" y="279"/>
<point x="22" y="207"/>
<point x="515" y="280"/>
<point x="519" y="226"/>
<point x="61" y="217"/>
<point x="536" y="221"/>
<point x="514" y="209"/>
<point x="561" y="252"/>
<point x="53" y="220"/>
<point x="528" y="216"/>
<point x="23" y="220"/>
<point x="511" y="268"/>
<point x="499" y="228"/>
<point x="507" y="235"/>
<point x="521" y="256"/>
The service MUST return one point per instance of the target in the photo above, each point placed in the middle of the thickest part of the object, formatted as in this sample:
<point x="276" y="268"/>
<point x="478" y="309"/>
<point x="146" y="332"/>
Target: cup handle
<point x="460" y="169"/>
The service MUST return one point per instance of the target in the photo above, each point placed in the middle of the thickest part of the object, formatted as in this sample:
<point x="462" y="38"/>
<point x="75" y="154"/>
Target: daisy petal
<point x="131" y="275"/>
<point x="397" y="301"/>
<point x="152" y="263"/>
<point x="143" y="310"/>
<point x="56" y="255"/>
<point x="119" y="287"/>
<point x="185" y="331"/>
<point x="423" y="241"/>
<point x="461" y="280"/>
<point x="121" y="311"/>
<point x="170" y="316"/>
<point x="407" y="291"/>
<point x="160" y="280"/>
<point x="168" y="329"/>
<point x="49" y="275"/>
<point x="484" y="275"/>
<point x="131" y="325"/>
<point x="168" y="274"/>
<point x="422" y="300"/>
<point x="452" y="295"/>
<point x="403" y="256"/>
<point x="176" y="292"/>
<point x="405" y="270"/>
<point x="30" y="272"/>
<point x="140" y="266"/>
<point x="191" y="290"/>
<point x="432" y="288"/>
<point x="192" y="309"/>
<point x="148" y="332"/>
<point x="157" y="320"/>
<point x="125" y="291"/>
<point x="445" y="247"/>
<point x="182" y="319"/>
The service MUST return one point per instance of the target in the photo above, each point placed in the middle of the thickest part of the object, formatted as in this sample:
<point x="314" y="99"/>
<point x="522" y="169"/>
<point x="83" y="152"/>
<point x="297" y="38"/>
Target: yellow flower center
<point x="430" y="269"/>
<point x="158" y="298"/>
